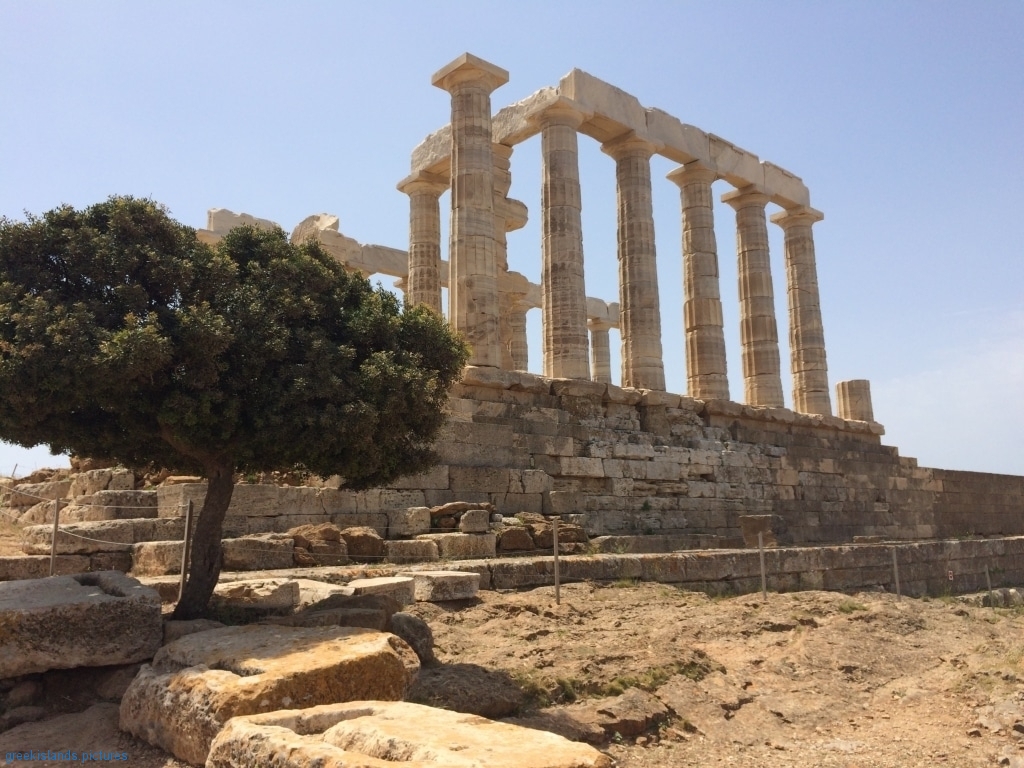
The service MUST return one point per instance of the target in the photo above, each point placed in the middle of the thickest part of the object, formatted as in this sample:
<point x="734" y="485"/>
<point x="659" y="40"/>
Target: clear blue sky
<point x="905" y="120"/>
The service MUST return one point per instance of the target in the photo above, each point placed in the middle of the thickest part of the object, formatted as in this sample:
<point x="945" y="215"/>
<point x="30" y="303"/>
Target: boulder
<point x="197" y="683"/>
<point x="475" y="521"/>
<point x="410" y="551"/>
<point x="85" y="620"/>
<point x="376" y="734"/>
<point x="363" y="544"/>
<point x="416" y="632"/>
<point x="515" y="538"/>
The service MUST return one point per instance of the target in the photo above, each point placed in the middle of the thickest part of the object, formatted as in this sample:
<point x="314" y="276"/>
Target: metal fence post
<point x="554" y="535"/>
<point x="53" y="539"/>
<point x="186" y="550"/>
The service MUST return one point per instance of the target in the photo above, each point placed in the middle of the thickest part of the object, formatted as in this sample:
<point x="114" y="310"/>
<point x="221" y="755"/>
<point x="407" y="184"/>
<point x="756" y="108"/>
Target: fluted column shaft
<point x="473" y="286"/>
<point x="563" y="292"/>
<point x="759" y="335"/>
<point x="423" y="285"/>
<point x="706" y="369"/>
<point x="502" y="156"/>
<point x="806" y="332"/>
<point x="600" y="352"/>
<point x="518" y="346"/>
<point x="640" y="309"/>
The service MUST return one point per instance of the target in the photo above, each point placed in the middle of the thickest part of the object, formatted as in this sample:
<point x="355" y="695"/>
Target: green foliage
<point x="123" y="336"/>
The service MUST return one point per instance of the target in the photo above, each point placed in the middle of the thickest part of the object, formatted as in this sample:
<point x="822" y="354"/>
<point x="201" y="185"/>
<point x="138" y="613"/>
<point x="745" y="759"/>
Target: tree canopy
<point x="124" y="337"/>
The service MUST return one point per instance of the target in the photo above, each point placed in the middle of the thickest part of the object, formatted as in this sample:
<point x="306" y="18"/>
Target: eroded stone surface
<point x="198" y="682"/>
<point x="375" y="734"/>
<point x="85" y="620"/>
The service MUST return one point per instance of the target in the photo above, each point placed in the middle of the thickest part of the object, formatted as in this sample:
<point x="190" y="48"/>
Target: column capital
<point x="752" y="194"/>
<point x="421" y="181"/>
<point x="599" y="324"/>
<point x="561" y="111"/>
<point x="628" y="143"/>
<point x="468" y="69"/>
<point x="802" y="214"/>
<point x="692" y="171"/>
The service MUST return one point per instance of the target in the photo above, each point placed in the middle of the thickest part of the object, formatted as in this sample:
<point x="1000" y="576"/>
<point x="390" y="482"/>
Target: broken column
<point x="640" y="310"/>
<point x="706" y="370"/>
<point x="759" y="335"/>
<point x="424" y="281"/>
<point x="473" y="287"/>
<point x="563" y="294"/>
<point x="806" y="332"/>
<point x="853" y="399"/>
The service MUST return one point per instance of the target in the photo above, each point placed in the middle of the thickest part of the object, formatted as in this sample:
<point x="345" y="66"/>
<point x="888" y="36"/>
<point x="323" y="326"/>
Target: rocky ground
<point x="656" y="676"/>
<point x="812" y="679"/>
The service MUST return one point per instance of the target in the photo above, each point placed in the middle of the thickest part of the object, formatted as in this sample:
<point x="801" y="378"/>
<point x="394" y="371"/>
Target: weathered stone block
<point x="401" y="588"/>
<point x="432" y="586"/>
<point x="410" y="551"/>
<point x="475" y="521"/>
<point x="257" y="553"/>
<point x="85" y="620"/>
<point x="462" y="546"/>
<point x="197" y="683"/>
<point x="372" y="733"/>
<point x="403" y="523"/>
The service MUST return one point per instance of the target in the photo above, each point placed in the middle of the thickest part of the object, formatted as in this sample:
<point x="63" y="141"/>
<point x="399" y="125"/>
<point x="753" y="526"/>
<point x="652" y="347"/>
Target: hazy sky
<point x="905" y="120"/>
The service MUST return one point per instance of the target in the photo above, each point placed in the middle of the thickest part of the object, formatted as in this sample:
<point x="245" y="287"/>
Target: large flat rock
<point x="84" y="620"/>
<point x="376" y="734"/>
<point x="197" y="683"/>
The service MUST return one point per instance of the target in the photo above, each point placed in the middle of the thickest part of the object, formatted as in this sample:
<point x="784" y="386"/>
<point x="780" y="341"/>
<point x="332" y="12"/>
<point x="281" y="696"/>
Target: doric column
<point x="473" y="288"/>
<point x="759" y="335"/>
<point x="518" y="346"/>
<point x="424" y="282"/>
<point x="854" y="400"/>
<point x="706" y="370"/>
<point x="600" y="351"/>
<point x="640" y="310"/>
<point x="563" y="293"/>
<point x="509" y="215"/>
<point x="806" y="332"/>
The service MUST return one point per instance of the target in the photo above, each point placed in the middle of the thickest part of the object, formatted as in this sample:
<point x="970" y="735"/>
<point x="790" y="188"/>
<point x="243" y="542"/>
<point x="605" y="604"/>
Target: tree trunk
<point x="204" y="570"/>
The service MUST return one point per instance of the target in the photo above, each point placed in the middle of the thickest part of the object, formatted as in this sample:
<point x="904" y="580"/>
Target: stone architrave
<point x="600" y="351"/>
<point x="86" y="620"/>
<point x="759" y="335"/>
<point x="706" y="369"/>
<point x="473" y="287"/>
<point x="639" y="301"/>
<point x="423" y="285"/>
<point x="563" y="293"/>
<point x="806" y="332"/>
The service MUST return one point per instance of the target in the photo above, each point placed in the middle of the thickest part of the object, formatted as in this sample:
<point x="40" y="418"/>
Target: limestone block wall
<point x="634" y="462"/>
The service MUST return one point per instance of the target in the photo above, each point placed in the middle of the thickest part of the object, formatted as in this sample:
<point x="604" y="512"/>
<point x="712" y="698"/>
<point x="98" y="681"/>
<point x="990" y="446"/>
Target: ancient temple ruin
<point x="636" y="459"/>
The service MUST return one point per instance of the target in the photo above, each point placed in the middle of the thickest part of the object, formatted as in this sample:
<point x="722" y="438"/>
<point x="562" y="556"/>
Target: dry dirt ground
<point x="804" y="680"/>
